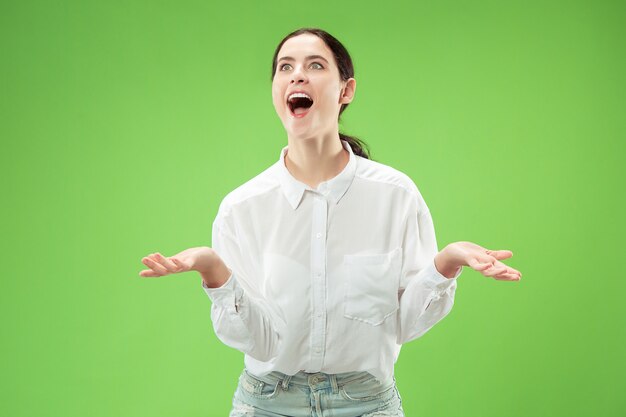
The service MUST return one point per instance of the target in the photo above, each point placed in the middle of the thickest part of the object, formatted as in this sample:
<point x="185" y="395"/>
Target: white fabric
<point x="333" y="279"/>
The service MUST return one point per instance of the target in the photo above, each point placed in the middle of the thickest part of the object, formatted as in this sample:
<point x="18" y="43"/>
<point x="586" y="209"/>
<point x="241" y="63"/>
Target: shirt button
<point x="317" y="350"/>
<point x="318" y="235"/>
<point x="319" y="314"/>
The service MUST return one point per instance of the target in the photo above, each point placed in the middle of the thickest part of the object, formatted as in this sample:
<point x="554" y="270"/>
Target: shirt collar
<point x="334" y="188"/>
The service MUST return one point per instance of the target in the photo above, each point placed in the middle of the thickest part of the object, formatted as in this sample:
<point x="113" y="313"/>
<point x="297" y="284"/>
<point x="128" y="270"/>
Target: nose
<point x="298" y="77"/>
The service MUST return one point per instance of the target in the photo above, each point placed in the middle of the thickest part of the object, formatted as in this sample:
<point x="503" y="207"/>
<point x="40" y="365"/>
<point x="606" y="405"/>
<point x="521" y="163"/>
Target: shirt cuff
<point x="228" y="295"/>
<point x="435" y="280"/>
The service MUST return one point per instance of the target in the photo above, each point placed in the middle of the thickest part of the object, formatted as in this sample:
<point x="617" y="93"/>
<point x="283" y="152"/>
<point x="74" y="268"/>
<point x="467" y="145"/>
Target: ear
<point x="347" y="93"/>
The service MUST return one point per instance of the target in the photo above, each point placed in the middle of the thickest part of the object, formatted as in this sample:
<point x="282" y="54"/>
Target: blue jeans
<point x="348" y="394"/>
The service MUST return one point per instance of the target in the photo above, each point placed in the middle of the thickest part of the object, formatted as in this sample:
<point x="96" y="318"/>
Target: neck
<point x="317" y="159"/>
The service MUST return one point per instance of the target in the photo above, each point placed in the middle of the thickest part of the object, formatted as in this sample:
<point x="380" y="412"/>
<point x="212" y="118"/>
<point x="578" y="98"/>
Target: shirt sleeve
<point x="425" y="295"/>
<point x="241" y="318"/>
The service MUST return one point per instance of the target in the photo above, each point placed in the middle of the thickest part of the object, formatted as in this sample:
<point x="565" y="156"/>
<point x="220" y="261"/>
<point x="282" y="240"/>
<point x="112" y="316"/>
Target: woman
<point x="324" y="264"/>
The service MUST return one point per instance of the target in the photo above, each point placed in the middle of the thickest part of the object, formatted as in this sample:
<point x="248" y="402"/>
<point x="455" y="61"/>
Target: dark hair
<point x="346" y="71"/>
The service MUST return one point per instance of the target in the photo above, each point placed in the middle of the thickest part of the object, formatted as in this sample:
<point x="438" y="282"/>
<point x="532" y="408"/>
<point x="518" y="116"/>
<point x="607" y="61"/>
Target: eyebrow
<point x="289" y="58"/>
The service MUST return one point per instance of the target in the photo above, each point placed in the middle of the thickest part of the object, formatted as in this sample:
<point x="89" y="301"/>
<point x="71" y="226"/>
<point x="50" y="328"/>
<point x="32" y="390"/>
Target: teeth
<point x="294" y="95"/>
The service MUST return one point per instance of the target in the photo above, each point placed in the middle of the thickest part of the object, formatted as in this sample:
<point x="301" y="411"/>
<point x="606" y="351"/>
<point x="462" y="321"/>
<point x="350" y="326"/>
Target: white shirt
<point x="333" y="279"/>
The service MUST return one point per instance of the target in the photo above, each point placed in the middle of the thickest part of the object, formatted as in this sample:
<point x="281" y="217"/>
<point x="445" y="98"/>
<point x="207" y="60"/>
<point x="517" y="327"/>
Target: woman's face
<point x="306" y="64"/>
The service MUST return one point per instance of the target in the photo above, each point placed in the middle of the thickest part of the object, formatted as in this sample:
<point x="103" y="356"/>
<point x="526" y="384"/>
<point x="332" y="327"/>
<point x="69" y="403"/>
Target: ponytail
<point x="359" y="147"/>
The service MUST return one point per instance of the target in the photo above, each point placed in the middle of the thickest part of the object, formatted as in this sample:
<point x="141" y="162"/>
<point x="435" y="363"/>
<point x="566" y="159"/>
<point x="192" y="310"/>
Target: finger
<point x="507" y="277"/>
<point x="514" y="271"/>
<point x="146" y="273"/>
<point x="515" y="276"/>
<point x="494" y="270"/>
<point x="509" y="274"/>
<point x="180" y="264"/>
<point x="169" y="265"/>
<point x="500" y="254"/>
<point x="479" y="266"/>
<point x="157" y="267"/>
<point x="182" y="267"/>
<point x="509" y="270"/>
<point x="492" y="273"/>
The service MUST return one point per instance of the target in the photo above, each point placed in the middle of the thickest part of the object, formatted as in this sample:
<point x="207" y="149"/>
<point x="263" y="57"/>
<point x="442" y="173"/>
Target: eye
<point x="319" y="66"/>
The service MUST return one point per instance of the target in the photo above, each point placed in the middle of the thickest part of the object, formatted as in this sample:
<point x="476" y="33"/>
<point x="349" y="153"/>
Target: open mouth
<point x="299" y="105"/>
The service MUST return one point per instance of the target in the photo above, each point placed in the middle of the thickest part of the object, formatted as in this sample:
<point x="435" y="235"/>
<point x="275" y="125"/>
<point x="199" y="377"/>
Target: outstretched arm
<point x="425" y="295"/>
<point x="239" y="320"/>
<point x="487" y="262"/>
<point x="429" y="277"/>
<point x="241" y="317"/>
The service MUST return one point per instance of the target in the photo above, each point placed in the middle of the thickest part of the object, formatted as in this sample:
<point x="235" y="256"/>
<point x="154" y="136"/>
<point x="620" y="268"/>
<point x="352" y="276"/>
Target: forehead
<point x="304" y="45"/>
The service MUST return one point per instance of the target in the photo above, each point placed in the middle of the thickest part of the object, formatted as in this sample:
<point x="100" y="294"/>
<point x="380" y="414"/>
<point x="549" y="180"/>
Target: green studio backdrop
<point x="125" y="123"/>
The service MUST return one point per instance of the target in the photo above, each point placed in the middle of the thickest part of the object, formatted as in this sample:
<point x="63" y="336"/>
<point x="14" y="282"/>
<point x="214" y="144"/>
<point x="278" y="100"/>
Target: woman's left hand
<point x="485" y="261"/>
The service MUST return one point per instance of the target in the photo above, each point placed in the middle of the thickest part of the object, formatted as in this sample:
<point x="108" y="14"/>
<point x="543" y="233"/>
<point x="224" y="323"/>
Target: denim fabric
<point x="319" y="394"/>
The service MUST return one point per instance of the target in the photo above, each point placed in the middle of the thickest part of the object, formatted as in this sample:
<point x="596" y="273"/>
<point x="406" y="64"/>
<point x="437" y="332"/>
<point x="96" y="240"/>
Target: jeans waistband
<point x="307" y="379"/>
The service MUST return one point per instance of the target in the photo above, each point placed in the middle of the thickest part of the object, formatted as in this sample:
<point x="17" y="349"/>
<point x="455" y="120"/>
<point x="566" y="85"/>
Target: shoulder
<point x="387" y="176"/>
<point x="263" y="183"/>
<point x="378" y="172"/>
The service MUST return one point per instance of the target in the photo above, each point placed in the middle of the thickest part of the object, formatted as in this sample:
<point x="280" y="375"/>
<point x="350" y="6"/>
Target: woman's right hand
<point x="202" y="259"/>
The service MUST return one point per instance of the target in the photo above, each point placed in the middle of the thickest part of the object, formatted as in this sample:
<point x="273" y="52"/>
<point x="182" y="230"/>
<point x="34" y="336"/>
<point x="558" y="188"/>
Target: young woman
<point x="324" y="264"/>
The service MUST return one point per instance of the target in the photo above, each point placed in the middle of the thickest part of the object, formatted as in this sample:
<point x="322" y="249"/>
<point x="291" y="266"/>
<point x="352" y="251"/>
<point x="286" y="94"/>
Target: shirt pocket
<point x="371" y="292"/>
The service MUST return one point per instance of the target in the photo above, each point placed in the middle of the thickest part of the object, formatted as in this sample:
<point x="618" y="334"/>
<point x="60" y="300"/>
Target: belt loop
<point x="285" y="383"/>
<point x="333" y="383"/>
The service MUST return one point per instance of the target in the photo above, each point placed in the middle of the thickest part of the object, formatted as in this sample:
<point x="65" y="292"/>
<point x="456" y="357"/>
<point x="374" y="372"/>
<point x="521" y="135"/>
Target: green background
<point x="125" y="123"/>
